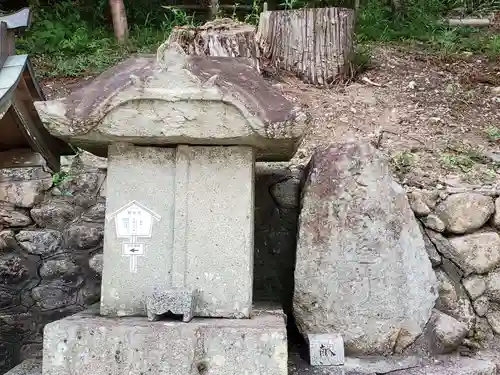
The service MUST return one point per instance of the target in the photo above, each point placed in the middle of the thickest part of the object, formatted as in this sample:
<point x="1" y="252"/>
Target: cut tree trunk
<point x="222" y="37"/>
<point x="119" y="16"/>
<point x="316" y="43"/>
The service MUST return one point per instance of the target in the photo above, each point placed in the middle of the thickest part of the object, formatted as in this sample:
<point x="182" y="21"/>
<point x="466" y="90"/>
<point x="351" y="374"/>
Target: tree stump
<point x="223" y="37"/>
<point x="314" y="43"/>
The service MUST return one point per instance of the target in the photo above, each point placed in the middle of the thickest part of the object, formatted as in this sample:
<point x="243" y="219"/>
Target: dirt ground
<point x="438" y="120"/>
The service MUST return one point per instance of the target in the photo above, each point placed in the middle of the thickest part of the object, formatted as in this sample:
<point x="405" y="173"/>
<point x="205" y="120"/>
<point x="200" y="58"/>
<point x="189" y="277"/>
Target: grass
<point x="470" y="161"/>
<point x="493" y="133"/>
<point x="420" y="24"/>
<point x="65" y="44"/>
<point x="74" y="37"/>
<point x="403" y="161"/>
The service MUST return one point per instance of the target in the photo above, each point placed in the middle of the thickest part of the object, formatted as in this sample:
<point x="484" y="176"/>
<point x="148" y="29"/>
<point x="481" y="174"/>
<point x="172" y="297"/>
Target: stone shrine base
<point x="444" y="365"/>
<point x="87" y="343"/>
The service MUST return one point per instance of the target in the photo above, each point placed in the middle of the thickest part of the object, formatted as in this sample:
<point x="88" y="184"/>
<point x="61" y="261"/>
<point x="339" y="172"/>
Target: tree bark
<point x="223" y="37"/>
<point x="314" y="43"/>
<point x="119" y="16"/>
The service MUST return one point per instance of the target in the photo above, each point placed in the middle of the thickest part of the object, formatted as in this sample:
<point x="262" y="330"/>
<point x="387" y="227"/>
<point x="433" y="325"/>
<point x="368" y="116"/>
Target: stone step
<point x="32" y="366"/>
<point x="353" y="366"/>
<point x="396" y="366"/>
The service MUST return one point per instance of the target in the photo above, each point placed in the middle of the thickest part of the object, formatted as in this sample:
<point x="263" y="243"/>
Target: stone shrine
<point x="177" y="130"/>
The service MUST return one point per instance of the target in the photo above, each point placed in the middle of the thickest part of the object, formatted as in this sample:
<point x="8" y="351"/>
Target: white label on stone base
<point x="132" y="221"/>
<point x="326" y="349"/>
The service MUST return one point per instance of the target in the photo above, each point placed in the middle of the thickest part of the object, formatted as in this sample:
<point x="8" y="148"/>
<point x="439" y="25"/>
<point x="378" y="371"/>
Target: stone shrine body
<point x="182" y="134"/>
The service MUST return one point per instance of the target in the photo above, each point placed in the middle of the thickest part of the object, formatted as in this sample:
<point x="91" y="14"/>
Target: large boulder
<point x="362" y="269"/>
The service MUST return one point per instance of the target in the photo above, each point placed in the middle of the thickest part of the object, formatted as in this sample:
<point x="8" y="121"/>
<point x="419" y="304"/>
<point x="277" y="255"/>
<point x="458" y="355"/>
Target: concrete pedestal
<point x="87" y="343"/>
<point x="179" y="217"/>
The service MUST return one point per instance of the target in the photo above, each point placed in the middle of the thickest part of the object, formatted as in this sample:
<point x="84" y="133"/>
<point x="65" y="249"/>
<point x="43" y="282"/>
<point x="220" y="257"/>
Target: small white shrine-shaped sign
<point x="134" y="220"/>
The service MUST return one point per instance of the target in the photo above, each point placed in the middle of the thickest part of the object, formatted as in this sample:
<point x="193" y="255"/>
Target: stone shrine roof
<point x="178" y="99"/>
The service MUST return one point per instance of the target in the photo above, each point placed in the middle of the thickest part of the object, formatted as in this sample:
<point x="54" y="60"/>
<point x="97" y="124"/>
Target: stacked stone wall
<point x="460" y="226"/>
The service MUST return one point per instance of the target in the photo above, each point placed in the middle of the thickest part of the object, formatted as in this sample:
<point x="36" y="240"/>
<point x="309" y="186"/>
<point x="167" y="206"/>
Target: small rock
<point x="495" y="220"/>
<point x="40" y="242"/>
<point x="476" y="253"/>
<point x="433" y="222"/>
<point x="434" y="256"/>
<point x="447" y="333"/>
<point x="474" y="285"/>
<point x="495" y="90"/>
<point x="483" y="331"/>
<point x="453" y="300"/>
<point x="6" y="238"/>
<point x="96" y="262"/>
<point x="417" y="204"/>
<point x="430" y="197"/>
<point x="493" y="285"/>
<point x="453" y="271"/>
<point x="58" y="267"/>
<point x="53" y="214"/>
<point x="9" y="217"/>
<point x="90" y="292"/>
<point x="442" y="244"/>
<point x="493" y="318"/>
<point x="301" y="154"/>
<point x="286" y="193"/>
<point x="53" y="296"/>
<point x="481" y="305"/>
<point x="5" y="298"/>
<point x="465" y="212"/>
<point x="84" y="235"/>
<point x="12" y="270"/>
<point x="24" y="194"/>
<point x="95" y="213"/>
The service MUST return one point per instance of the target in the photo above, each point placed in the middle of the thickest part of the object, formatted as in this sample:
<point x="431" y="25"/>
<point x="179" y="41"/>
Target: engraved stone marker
<point x="326" y="349"/>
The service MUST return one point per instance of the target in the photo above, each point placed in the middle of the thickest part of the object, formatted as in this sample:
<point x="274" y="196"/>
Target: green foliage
<point x="60" y="178"/>
<point x="75" y="37"/>
<point x="421" y="21"/>
<point x="493" y="133"/>
<point x="361" y="59"/>
<point x="403" y="161"/>
<point x="65" y="43"/>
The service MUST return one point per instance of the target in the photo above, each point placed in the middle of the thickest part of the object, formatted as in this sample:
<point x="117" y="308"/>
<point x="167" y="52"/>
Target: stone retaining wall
<point x="51" y="247"/>
<point x="460" y="226"/>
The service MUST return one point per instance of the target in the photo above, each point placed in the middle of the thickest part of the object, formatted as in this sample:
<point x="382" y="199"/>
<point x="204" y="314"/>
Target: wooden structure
<point x="24" y="141"/>
<point x="314" y="43"/>
<point x="220" y="38"/>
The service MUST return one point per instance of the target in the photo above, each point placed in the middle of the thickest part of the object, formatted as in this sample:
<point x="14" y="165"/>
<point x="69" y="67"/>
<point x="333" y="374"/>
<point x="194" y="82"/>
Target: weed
<point x="60" y="178"/>
<point x="290" y="4"/>
<point x="254" y="16"/>
<point x="403" y="161"/>
<point x="493" y="133"/>
<point x="361" y="59"/>
<point x="462" y="162"/>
